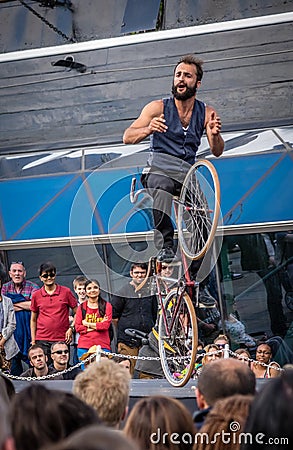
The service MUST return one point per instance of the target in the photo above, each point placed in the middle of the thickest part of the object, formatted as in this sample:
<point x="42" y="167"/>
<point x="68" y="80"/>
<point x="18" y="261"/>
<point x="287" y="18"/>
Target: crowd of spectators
<point x="52" y="318"/>
<point x="41" y="417"/>
<point x="232" y="412"/>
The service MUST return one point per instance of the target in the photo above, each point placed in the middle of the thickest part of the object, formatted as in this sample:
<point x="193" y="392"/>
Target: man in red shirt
<point x="50" y="307"/>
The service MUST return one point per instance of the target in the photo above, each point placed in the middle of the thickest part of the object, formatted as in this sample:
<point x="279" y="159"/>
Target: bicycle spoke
<point x="198" y="209"/>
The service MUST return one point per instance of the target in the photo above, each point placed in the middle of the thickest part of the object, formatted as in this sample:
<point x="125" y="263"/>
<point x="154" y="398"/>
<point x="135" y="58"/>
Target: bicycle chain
<point x="50" y="25"/>
<point x="113" y="354"/>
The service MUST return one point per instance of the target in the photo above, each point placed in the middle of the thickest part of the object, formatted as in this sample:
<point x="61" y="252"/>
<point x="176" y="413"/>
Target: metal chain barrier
<point x="142" y="358"/>
<point x="50" y="25"/>
<point x="235" y="355"/>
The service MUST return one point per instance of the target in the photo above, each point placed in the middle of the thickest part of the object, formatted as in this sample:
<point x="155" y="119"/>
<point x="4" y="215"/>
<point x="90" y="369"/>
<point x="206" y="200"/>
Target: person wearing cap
<point x="93" y="350"/>
<point x="20" y="291"/>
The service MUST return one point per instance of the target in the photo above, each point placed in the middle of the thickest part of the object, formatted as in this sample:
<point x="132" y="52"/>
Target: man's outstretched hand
<point x="214" y="123"/>
<point x="158" y="124"/>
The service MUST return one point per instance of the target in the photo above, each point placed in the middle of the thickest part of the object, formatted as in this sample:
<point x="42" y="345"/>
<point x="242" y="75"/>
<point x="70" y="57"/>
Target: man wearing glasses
<point x="60" y="357"/>
<point x="50" y="310"/>
<point x="20" y="291"/>
<point x="133" y="308"/>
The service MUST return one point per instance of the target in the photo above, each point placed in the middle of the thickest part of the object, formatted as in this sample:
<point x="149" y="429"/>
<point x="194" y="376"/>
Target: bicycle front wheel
<point x="177" y="338"/>
<point x="198" y="209"/>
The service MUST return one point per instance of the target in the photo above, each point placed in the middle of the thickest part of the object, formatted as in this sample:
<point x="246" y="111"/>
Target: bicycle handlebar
<point x="134" y="195"/>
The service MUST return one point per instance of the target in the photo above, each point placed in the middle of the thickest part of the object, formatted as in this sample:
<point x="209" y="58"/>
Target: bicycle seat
<point x="137" y="334"/>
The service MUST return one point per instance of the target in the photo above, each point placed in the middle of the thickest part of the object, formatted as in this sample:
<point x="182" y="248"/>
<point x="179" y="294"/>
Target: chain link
<point x="255" y="362"/>
<point x="50" y="25"/>
<point x="142" y="358"/>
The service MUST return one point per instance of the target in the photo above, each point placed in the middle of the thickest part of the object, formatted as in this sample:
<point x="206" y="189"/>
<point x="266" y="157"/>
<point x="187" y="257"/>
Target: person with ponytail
<point x="93" y="320"/>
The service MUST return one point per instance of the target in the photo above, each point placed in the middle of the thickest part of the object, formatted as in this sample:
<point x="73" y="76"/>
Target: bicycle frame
<point x="196" y="212"/>
<point x="184" y="285"/>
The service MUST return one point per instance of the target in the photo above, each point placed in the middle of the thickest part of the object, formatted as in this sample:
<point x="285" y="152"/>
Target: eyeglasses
<point x="261" y="352"/>
<point x="60" y="352"/>
<point x="47" y="275"/>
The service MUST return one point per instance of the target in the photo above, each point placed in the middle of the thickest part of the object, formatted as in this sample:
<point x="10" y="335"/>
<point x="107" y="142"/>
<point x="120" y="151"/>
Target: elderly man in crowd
<point x="20" y="291"/>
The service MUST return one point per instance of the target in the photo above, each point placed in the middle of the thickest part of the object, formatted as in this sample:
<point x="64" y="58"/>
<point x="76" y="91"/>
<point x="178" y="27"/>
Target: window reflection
<point x="257" y="280"/>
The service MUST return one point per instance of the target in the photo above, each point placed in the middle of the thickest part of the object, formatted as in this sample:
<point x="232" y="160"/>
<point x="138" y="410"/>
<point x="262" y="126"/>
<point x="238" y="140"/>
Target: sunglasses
<point x="16" y="262"/>
<point x="47" y="275"/>
<point x="61" y="352"/>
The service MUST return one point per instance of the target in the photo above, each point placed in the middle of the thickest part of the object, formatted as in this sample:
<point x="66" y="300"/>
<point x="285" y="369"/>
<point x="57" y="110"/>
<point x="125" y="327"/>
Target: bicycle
<point x="197" y="213"/>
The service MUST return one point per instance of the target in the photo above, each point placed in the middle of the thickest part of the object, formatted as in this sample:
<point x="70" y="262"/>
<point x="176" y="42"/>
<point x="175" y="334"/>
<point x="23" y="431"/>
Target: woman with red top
<point x="93" y="320"/>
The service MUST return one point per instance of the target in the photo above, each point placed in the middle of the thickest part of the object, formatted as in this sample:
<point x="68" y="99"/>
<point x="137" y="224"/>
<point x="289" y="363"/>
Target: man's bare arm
<point x="20" y="306"/>
<point x="151" y="119"/>
<point x="115" y="322"/>
<point x="213" y="128"/>
<point x="33" y="326"/>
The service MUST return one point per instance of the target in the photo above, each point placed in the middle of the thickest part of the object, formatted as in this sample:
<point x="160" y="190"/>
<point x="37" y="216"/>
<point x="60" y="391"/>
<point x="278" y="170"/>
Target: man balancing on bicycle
<point x="175" y="126"/>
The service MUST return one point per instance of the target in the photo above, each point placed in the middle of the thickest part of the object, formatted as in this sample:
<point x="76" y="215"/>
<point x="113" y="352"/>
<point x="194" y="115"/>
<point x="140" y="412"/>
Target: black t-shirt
<point x="134" y="310"/>
<point x="70" y="375"/>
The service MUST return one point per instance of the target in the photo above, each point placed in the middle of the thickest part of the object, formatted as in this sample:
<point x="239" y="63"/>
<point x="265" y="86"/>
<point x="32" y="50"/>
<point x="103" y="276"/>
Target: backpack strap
<point x="83" y="311"/>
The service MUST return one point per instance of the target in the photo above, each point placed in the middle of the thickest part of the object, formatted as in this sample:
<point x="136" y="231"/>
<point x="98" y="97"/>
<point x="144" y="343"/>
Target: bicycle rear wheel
<point x="178" y="346"/>
<point x="198" y="209"/>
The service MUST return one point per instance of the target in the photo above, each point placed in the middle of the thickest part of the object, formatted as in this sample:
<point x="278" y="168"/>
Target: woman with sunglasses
<point x="50" y="308"/>
<point x="93" y="320"/>
<point x="264" y="367"/>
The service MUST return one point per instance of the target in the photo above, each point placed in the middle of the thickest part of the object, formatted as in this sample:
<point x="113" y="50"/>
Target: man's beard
<point x="189" y="92"/>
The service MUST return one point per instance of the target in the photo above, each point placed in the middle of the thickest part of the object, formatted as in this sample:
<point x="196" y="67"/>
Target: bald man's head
<point x="223" y="378"/>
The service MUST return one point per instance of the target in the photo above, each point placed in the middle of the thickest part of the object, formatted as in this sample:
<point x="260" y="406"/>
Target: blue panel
<point x="36" y="207"/>
<point x="140" y="17"/>
<point x="110" y="210"/>
<point x="254" y="189"/>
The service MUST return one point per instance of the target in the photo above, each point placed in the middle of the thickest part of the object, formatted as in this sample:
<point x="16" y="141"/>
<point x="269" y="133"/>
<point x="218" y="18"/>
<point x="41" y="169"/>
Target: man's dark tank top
<point x="175" y="150"/>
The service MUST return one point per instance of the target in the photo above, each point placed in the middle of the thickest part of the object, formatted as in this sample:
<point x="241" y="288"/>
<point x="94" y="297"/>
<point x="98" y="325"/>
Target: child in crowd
<point x="79" y="288"/>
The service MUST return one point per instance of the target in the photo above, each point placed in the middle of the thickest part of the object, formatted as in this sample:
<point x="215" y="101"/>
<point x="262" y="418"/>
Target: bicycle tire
<point x="181" y="343"/>
<point x="198" y="209"/>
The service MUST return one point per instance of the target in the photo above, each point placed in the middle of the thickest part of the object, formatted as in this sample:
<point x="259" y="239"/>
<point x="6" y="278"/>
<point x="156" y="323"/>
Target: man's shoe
<point x="205" y="299"/>
<point x="166" y="255"/>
